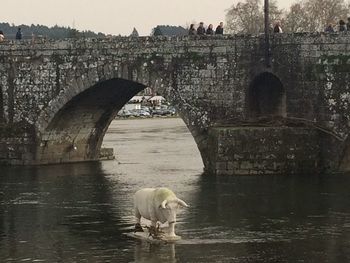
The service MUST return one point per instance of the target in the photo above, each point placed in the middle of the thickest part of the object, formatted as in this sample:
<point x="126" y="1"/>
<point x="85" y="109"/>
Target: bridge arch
<point x="76" y="130"/>
<point x="73" y="128"/>
<point x="266" y="97"/>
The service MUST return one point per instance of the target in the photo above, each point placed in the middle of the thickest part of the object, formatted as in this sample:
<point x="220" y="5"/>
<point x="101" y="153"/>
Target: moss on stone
<point x="332" y="58"/>
<point x="194" y="56"/>
<point x="333" y="63"/>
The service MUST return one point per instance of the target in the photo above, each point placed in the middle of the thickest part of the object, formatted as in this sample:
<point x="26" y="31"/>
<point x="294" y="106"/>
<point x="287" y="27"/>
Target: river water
<point x="80" y="212"/>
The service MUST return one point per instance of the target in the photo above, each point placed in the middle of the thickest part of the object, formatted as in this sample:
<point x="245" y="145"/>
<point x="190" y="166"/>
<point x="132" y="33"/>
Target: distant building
<point x="169" y="31"/>
<point x="134" y="33"/>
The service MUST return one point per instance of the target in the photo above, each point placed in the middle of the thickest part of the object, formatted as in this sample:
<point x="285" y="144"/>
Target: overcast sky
<point x="116" y="16"/>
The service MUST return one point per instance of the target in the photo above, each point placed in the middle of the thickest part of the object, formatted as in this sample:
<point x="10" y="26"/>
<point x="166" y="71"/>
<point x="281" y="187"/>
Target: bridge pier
<point x="256" y="150"/>
<point x="19" y="145"/>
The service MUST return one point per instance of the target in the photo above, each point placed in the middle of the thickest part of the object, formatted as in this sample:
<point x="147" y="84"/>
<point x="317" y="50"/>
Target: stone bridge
<point x="57" y="98"/>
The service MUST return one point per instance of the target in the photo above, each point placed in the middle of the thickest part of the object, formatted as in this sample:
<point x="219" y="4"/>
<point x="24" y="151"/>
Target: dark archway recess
<point x="77" y="130"/>
<point x="266" y="97"/>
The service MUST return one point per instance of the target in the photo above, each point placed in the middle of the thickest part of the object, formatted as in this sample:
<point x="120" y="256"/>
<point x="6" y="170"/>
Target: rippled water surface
<point x="79" y="212"/>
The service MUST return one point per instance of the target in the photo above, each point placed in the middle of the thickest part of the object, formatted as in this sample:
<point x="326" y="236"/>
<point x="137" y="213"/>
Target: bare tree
<point x="296" y="19"/>
<point x="244" y="17"/>
<point x="248" y="16"/>
<point x="315" y="15"/>
<point x="319" y="13"/>
<point x="275" y="14"/>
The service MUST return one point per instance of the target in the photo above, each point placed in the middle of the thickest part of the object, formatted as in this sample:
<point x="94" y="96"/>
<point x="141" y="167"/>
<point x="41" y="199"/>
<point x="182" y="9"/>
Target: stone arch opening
<point x="266" y="97"/>
<point x="76" y="131"/>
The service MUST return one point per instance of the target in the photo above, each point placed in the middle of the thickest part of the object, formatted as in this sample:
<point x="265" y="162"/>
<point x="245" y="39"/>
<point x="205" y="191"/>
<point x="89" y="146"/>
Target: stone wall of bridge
<point x="57" y="95"/>
<point x="264" y="150"/>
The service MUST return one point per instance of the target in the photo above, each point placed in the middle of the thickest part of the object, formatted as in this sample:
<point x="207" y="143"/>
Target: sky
<point x="116" y="16"/>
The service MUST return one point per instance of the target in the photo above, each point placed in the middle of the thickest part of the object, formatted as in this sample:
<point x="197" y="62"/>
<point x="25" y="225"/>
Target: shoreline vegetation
<point x="42" y="31"/>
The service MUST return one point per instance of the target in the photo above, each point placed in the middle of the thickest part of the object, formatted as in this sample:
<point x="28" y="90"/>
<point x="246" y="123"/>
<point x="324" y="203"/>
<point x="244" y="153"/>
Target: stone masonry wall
<point x="263" y="150"/>
<point x="207" y="78"/>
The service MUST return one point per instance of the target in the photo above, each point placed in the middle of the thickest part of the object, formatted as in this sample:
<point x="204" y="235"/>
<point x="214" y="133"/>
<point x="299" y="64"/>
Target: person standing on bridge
<point x="192" y="30"/>
<point x="277" y="28"/>
<point x="342" y="27"/>
<point x="329" y="28"/>
<point x="19" y="34"/>
<point x="348" y="24"/>
<point x="201" y="29"/>
<point x="210" y="30"/>
<point x="219" y="29"/>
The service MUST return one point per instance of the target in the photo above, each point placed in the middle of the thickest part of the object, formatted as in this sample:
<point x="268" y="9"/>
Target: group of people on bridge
<point x="330" y="28"/>
<point x="342" y="27"/>
<point x="201" y="30"/>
